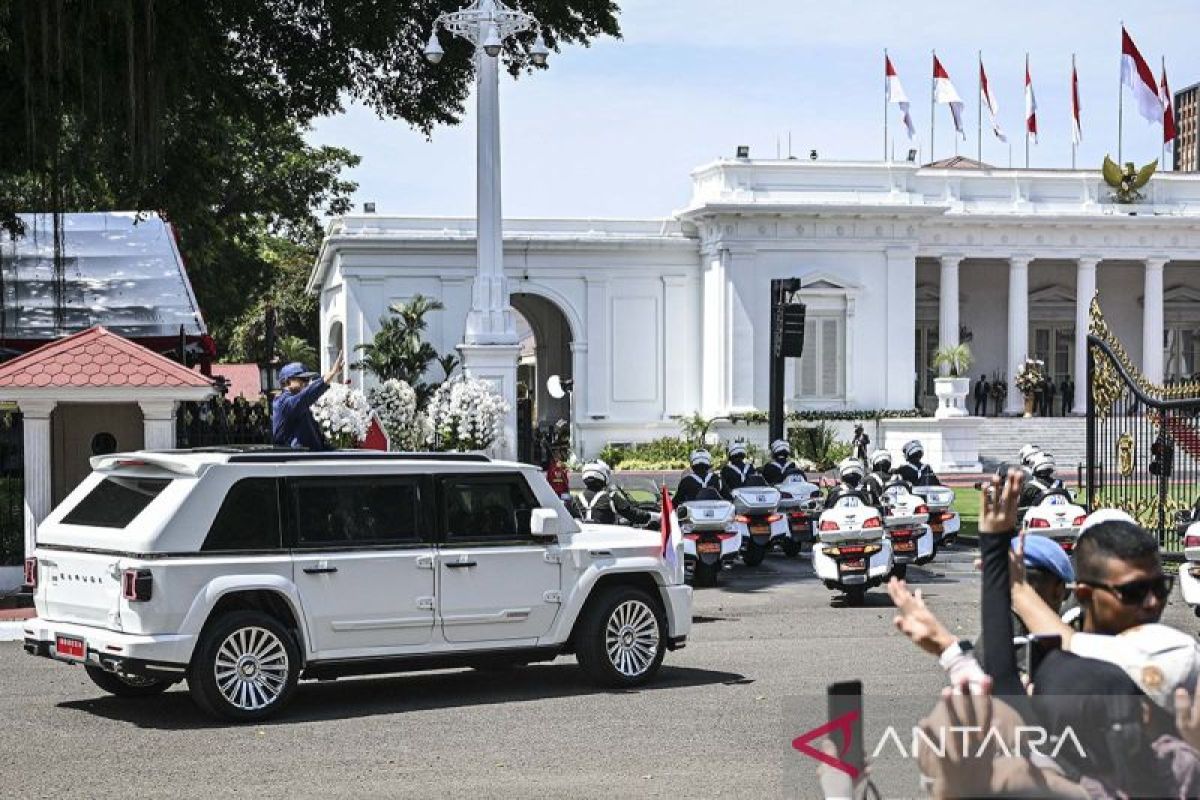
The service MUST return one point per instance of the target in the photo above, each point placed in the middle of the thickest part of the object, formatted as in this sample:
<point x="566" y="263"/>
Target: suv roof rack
<point x="283" y="455"/>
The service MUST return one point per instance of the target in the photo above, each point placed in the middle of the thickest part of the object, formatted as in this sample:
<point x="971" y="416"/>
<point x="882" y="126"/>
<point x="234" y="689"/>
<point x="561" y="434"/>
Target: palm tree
<point x="295" y="348"/>
<point x="399" y="349"/>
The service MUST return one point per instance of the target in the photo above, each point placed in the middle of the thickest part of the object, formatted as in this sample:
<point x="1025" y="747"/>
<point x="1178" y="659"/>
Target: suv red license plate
<point x="854" y="565"/>
<point x="70" y="647"/>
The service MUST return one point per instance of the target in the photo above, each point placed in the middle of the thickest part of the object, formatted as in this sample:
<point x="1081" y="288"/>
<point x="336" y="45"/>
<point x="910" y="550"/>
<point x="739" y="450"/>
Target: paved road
<point x="718" y="722"/>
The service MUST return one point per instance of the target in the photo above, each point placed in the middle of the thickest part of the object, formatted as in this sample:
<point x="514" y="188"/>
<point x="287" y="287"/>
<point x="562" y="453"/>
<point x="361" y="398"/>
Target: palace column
<point x="1152" y="319"/>
<point x="1018" y="327"/>
<point x="948" y="303"/>
<point x="36" y="445"/>
<point x="1085" y="290"/>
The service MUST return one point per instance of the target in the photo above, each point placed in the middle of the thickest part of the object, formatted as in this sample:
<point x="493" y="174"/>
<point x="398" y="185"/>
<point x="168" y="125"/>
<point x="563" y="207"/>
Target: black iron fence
<point x="1143" y="441"/>
<point x="220" y="421"/>
<point x="12" y="490"/>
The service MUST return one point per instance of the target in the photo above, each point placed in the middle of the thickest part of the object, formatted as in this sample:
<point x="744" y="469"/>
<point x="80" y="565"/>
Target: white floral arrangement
<point x="1030" y="376"/>
<point x="343" y="415"/>
<point x="465" y="414"/>
<point x="396" y="404"/>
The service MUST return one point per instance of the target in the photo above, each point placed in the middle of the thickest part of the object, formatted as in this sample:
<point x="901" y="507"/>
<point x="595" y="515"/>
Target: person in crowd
<point x="700" y="476"/>
<point x="913" y="470"/>
<point x="980" y="393"/>
<point x="292" y="422"/>
<point x="881" y="473"/>
<point x="860" y="443"/>
<point x="602" y="503"/>
<point x="851" y="473"/>
<point x="737" y="469"/>
<point x="1067" y="391"/>
<point x="781" y="465"/>
<point x="1051" y="392"/>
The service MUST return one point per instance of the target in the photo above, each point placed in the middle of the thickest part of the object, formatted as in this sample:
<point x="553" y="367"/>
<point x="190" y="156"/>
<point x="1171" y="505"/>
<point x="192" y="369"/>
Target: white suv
<point x="243" y="570"/>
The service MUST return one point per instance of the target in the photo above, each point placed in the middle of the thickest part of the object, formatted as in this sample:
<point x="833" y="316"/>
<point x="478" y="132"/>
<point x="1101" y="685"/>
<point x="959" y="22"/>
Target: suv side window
<point x="359" y="511"/>
<point x="487" y="508"/>
<point x="248" y="518"/>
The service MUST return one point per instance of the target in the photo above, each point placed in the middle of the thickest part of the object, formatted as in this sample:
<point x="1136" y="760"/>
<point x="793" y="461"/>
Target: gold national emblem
<point x="1152" y="677"/>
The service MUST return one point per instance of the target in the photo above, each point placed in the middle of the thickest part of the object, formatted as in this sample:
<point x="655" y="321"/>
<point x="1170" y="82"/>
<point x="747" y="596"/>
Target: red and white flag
<point x="1164" y="94"/>
<point x="989" y="102"/>
<point x="1030" y="106"/>
<point x="1076" y="126"/>
<point x="895" y="94"/>
<point x="1136" y="74"/>
<point x="944" y="92"/>
<point x="671" y="535"/>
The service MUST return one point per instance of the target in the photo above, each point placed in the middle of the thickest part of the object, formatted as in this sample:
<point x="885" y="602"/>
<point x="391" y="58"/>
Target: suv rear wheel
<point x="126" y="685"/>
<point x="622" y="637"/>
<point x="245" y="667"/>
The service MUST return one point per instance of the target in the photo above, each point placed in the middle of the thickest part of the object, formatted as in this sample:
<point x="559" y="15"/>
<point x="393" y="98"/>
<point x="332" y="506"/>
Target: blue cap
<point x="294" y="370"/>
<point x="1042" y="552"/>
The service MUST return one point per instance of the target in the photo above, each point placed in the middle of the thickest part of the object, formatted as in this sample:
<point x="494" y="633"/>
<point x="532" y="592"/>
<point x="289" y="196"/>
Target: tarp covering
<point x="120" y="271"/>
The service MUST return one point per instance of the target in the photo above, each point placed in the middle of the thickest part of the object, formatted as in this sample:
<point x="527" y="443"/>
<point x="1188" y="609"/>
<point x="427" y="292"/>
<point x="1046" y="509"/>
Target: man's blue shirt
<point x="292" y="423"/>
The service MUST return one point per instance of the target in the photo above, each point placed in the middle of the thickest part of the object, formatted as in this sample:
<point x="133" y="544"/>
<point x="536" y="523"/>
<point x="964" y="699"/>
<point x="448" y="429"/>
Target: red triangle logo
<point x="845" y="724"/>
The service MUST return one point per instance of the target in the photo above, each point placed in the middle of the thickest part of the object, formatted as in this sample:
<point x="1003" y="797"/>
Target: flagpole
<point x="885" y="104"/>
<point x="932" y="87"/>
<point x="1120" y="99"/>
<point x="979" y="98"/>
<point x="1027" y="111"/>
<point x="1163" y="159"/>
<point x="1074" y="144"/>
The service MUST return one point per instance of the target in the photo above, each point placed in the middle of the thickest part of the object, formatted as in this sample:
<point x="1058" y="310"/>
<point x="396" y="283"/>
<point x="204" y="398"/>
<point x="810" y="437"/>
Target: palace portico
<point x="657" y="318"/>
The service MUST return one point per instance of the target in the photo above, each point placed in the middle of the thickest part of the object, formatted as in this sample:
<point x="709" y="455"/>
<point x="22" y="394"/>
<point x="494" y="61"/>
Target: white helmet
<point x="603" y="465"/>
<point x="595" y="469"/>
<point x="879" y="457"/>
<point x="1027" y="453"/>
<point x="851" y="466"/>
<point x="914" y="449"/>
<point x="780" y="446"/>
<point x="1042" y="464"/>
<point x="701" y="457"/>
<point x="737" y="449"/>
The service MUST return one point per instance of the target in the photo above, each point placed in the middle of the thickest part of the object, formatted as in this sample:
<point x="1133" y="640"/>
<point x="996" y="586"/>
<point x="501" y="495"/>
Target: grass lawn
<point x="966" y="503"/>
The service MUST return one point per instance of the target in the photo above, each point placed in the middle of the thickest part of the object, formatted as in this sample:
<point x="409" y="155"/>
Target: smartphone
<point x="845" y="697"/>
<point x="1037" y="645"/>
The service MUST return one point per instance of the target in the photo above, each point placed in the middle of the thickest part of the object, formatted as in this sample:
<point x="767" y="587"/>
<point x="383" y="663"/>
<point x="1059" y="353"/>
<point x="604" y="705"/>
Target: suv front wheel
<point x="245" y="667"/>
<point x="622" y="637"/>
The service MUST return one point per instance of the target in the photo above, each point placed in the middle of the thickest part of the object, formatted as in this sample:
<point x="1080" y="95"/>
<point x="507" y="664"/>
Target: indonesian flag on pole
<point x="895" y="94"/>
<point x="1136" y="74"/>
<point x="989" y="102"/>
<point x="1076" y="126"/>
<point x="1030" y="106"/>
<point x="944" y="92"/>
<point x="671" y="536"/>
<point x="1164" y="94"/>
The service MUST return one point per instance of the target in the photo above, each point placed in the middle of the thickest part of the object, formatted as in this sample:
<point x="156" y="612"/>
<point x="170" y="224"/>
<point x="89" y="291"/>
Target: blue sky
<point x="614" y="129"/>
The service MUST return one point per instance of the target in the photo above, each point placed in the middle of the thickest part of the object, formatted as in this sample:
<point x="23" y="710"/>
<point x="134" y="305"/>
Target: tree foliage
<point x="399" y="350"/>
<point x="199" y="109"/>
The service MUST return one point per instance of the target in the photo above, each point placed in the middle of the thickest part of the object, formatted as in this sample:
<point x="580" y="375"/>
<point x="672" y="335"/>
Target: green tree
<point x="399" y="350"/>
<point x="296" y="311"/>
<point x="293" y="348"/>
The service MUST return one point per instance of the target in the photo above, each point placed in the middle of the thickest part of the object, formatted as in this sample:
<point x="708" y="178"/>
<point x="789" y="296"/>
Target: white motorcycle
<point x="800" y="501"/>
<point x="1189" y="572"/>
<point x="759" y="521"/>
<point x="944" y="521"/>
<point x="1057" y="517"/>
<point x="852" y="553"/>
<point x="905" y="521"/>
<point x="711" y="538"/>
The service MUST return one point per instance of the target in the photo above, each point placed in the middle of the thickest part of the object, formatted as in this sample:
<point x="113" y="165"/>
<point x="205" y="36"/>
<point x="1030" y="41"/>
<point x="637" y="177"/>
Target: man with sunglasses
<point x="1120" y="581"/>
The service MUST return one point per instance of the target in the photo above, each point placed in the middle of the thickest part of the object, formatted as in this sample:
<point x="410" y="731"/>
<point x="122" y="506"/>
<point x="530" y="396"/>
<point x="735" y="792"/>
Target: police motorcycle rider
<point x="913" y="470"/>
<point x="601" y="503"/>
<point x="736" y="470"/>
<point x="851" y="473"/>
<point x="781" y="465"/>
<point x="699" y="477"/>
<point x="881" y="474"/>
<point x="1042" y="480"/>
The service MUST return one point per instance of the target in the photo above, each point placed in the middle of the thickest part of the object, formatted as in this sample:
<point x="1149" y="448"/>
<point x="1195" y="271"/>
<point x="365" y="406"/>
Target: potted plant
<point x="1030" y="378"/>
<point x="952" y="388"/>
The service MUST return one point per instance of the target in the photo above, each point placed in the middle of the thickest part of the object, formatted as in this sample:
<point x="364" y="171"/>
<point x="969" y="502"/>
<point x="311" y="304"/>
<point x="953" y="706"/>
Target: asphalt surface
<point x="718" y="721"/>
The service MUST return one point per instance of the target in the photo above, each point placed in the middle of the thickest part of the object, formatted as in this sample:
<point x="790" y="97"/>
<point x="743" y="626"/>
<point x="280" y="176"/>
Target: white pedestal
<point x="951" y="445"/>
<point x="952" y="397"/>
<point x="497" y="364"/>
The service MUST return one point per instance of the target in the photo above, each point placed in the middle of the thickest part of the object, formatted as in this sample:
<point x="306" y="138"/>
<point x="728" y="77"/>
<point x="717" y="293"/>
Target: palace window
<point x="821" y="371"/>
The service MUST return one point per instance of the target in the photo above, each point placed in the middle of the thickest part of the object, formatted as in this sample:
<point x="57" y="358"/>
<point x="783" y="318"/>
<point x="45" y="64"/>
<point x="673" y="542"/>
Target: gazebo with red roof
<point x="94" y="391"/>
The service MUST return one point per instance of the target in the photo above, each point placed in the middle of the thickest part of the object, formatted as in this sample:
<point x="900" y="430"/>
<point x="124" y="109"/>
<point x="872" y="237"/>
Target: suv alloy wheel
<point x="621" y="638"/>
<point x="245" y="667"/>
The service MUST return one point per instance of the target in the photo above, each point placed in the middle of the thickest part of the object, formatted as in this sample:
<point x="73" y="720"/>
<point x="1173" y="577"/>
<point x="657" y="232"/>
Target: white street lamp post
<point x="490" y="347"/>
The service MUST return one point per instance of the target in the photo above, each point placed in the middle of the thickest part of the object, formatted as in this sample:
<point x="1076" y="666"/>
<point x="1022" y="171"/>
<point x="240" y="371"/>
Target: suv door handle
<point x="319" y="570"/>
<point x="459" y="564"/>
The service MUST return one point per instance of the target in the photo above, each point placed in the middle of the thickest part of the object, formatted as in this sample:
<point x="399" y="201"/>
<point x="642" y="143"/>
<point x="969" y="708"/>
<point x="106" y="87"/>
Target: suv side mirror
<point x="543" y="522"/>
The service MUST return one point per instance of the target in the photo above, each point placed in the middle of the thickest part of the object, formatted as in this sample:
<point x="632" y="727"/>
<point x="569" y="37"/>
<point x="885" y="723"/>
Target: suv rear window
<point x="115" y="502"/>
<point x="248" y="518"/>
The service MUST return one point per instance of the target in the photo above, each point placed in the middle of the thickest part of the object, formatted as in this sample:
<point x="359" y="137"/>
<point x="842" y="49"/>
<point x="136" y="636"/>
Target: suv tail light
<point x="31" y="572"/>
<point x="136" y="585"/>
<point x="1038" y="522"/>
<point x="872" y="522"/>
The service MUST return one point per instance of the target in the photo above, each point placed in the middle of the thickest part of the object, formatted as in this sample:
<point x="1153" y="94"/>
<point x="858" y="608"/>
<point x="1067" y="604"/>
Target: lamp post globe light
<point x="490" y="347"/>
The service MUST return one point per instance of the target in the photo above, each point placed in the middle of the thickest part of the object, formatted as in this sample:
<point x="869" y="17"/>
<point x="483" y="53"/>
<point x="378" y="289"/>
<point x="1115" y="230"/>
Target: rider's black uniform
<point x="609" y="507"/>
<point x="734" y="477"/>
<point x="774" y="473"/>
<point x="691" y="484"/>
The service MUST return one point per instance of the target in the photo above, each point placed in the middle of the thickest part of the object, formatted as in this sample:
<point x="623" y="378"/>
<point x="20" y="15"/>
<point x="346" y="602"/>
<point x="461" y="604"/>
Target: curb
<point x="12" y="631"/>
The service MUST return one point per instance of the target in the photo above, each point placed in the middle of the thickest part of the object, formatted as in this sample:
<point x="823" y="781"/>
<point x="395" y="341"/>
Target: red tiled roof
<point x="94" y="358"/>
<point x="244" y="380"/>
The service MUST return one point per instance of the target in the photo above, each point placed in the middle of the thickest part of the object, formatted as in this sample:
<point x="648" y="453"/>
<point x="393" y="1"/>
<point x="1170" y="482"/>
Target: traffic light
<point x="788" y="330"/>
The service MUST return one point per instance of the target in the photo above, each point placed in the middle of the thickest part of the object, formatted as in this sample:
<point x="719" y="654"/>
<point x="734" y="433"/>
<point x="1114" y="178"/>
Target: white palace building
<point x="656" y="318"/>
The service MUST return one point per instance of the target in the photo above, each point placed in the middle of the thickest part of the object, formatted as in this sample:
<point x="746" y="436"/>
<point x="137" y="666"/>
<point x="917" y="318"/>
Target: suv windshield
<point x="115" y="502"/>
